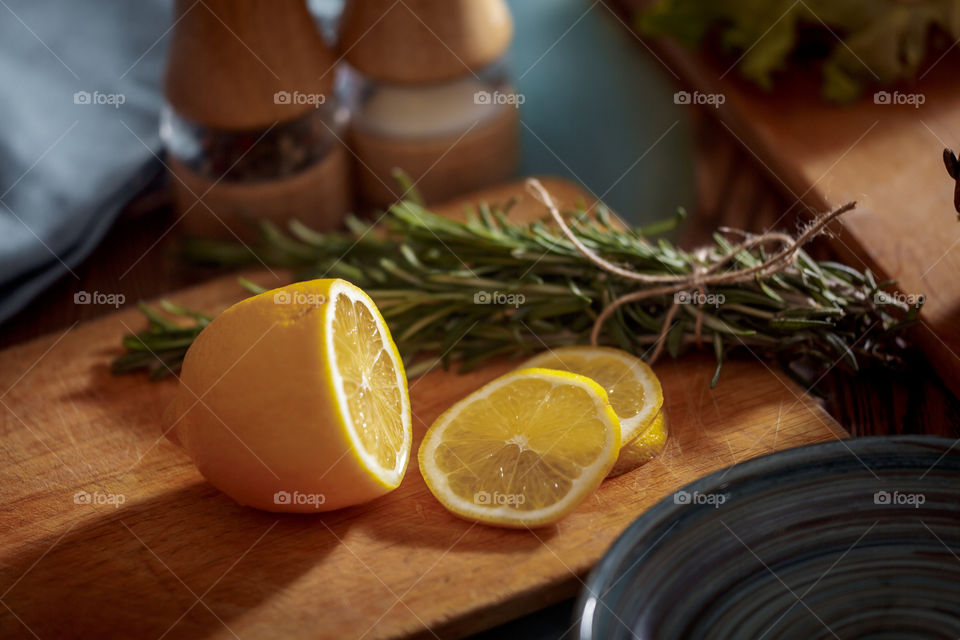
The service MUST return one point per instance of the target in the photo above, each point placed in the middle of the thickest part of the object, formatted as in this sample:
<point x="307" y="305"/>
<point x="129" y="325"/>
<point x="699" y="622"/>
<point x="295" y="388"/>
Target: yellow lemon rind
<point x="643" y="448"/>
<point x="247" y="429"/>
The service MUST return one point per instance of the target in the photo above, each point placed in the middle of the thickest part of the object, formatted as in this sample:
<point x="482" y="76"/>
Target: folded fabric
<point x="79" y="129"/>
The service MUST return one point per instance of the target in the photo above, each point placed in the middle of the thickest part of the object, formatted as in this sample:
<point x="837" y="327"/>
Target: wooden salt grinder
<point x="422" y="43"/>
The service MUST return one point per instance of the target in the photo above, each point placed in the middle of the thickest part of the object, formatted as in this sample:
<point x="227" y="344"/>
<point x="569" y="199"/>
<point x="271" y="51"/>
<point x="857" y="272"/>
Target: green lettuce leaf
<point x="869" y="42"/>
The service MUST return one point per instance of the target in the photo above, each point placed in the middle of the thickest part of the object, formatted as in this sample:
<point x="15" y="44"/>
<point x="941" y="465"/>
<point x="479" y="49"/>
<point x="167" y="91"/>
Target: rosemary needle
<point x="463" y="292"/>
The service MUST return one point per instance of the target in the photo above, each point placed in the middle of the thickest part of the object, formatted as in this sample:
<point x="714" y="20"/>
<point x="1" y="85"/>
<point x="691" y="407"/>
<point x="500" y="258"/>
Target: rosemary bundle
<point x="464" y="292"/>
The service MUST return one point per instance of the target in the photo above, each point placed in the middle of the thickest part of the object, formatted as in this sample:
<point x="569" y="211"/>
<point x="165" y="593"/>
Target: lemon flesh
<point x="634" y="390"/>
<point x="369" y="379"/>
<point x="523" y="450"/>
<point x="296" y="400"/>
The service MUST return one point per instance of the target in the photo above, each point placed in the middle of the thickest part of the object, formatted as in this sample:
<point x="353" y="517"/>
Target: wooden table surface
<point x="137" y="259"/>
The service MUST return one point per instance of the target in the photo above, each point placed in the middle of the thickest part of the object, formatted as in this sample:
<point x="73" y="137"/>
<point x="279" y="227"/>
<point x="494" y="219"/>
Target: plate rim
<point x="739" y="473"/>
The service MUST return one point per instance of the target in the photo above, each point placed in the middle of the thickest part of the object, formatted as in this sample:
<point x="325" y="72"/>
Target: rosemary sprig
<point x="468" y="291"/>
<point x="162" y="346"/>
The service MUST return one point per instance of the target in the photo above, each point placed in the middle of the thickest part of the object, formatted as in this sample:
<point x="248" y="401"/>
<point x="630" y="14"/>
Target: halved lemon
<point x="296" y="400"/>
<point x="634" y="390"/>
<point x="523" y="450"/>
<point x="643" y="448"/>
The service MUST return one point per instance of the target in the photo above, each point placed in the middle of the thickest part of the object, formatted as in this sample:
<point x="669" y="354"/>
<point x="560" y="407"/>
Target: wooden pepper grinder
<point x="430" y="96"/>
<point x="252" y="125"/>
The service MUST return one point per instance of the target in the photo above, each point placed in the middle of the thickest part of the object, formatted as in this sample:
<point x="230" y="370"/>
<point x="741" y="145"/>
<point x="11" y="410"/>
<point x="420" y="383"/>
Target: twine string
<point x="702" y="277"/>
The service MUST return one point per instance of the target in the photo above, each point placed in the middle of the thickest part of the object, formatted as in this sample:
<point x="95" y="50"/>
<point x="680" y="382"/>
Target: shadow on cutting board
<point x="129" y="572"/>
<point x="137" y="570"/>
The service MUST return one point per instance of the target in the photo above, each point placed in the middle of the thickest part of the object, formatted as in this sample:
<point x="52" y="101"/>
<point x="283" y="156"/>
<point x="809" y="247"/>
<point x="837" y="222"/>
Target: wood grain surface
<point x="175" y="558"/>
<point x="887" y="157"/>
<point x="876" y="400"/>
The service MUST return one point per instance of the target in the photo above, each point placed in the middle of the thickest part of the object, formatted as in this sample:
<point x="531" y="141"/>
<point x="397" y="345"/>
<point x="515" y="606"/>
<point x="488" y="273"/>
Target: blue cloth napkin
<point x="78" y="129"/>
<point x="81" y="101"/>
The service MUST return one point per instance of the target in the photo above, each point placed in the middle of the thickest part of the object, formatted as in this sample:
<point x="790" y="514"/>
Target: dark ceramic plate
<point x="847" y="539"/>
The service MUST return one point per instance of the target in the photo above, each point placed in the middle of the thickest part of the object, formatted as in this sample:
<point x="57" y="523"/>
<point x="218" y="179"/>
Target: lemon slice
<point x="643" y="448"/>
<point x="634" y="390"/>
<point x="523" y="450"/>
<point x="296" y="400"/>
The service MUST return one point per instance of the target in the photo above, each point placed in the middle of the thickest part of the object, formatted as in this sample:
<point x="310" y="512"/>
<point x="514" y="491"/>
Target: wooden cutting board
<point x="166" y="555"/>
<point x="887" y="157"/>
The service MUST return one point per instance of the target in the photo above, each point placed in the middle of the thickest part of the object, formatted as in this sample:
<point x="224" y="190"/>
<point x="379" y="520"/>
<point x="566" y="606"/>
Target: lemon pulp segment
<point x="369" y="377"/>
<point x="632" y="387"/>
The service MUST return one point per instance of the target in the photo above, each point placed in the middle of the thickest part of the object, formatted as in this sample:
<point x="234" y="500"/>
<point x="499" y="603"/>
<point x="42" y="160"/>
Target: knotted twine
<point x="703" y="276"/>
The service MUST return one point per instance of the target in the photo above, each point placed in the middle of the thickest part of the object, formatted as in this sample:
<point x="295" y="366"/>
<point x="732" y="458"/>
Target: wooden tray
<point x="179" y="559"/>
<point x="887" y="157"/>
